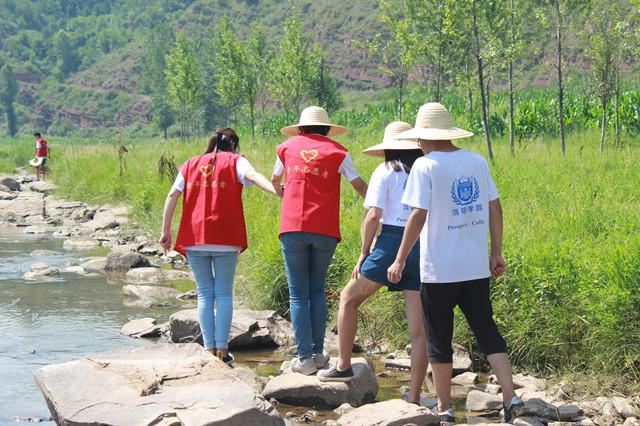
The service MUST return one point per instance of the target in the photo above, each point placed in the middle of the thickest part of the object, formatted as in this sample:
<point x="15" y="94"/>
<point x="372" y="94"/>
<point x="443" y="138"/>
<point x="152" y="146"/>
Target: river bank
<point x="99" y="228"/>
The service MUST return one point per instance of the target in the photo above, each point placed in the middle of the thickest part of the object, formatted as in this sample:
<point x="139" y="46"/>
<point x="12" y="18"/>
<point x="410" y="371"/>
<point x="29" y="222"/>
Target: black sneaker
<point x="515" y="409"/>
<point x="227" y="359"/>
<point x="446" y="417"/>
<point x="332" y="374"/>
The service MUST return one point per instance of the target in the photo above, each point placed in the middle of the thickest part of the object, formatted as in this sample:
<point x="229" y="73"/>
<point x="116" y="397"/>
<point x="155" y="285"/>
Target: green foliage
<point x="8" y="92"/>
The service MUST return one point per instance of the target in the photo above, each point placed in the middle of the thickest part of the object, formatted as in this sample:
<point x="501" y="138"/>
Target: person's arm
<point x="167" y="214"/>
<point x="260" y="181"/>
<point x="277" y="186"/>
<point x="416" y="222"/>
<point x="360" y="186"/>
<point x="371" y="222"/>
<point x="496" y="262"/>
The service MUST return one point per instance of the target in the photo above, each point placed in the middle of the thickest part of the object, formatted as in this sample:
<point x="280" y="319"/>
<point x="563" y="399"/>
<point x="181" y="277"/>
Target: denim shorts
<point x="384" y="254"/>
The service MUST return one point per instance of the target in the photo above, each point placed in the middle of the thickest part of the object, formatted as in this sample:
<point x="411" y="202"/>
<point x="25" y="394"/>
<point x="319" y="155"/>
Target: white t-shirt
<point x="385" y="192"/>
<point x="347" y="168"/>
<point x="242" y="167"/>
<point x="455" y="188"/>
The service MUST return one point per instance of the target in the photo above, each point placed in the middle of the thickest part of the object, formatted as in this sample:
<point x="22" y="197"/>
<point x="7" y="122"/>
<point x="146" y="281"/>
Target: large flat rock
<point x="163" y="384"/>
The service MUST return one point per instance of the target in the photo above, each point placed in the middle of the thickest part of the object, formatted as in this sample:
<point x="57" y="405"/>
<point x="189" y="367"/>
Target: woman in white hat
<point x="312" y="165"/>
<point x="370" y="274"/>
<point x="212" y="230"/>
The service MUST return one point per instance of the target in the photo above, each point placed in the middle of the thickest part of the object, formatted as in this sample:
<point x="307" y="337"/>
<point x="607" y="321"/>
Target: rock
<point x="80" y="244"/>
<point x="465" y="379"/>
<point x="151" y="250"/>
<point x="126" y="262"/>
<point x="42" y="186"/>
<point x="529" y="382"/>
<point x="623" y="406"/>
<point x="34" y="230"/>
<point x="149" y="292"/>
<point x="631" y="421"/>
<point x="104" y="218"/>
<point x="5" y="195"/>
<point x="389" y="413"/>
<point x="41" y="270"/>
<point x="256" y="382"/>
<point x="143" y="327"/>
<point x="61" y="233"/>
<point x="527" y="421"/>
<point x="344" y="408"/>
<point x="540" y="408"/>
<point x="155" y="385"/>
<point x="95" y="263"/>
<point x="154" y="275"/>
<point x="298" y="389"/>
<point x="75" y="270"/>
<point x="570" y="413"/>
<point x="482" y="401"/>
<point x="248" y="328"/>
<point x="126" y="248"/>
<point x="43" y="253"/>
<point x="189" y="295"/>
<point x="399" y="360"/>
<point x="489" y="388"/>
<point x="10" y="183"/>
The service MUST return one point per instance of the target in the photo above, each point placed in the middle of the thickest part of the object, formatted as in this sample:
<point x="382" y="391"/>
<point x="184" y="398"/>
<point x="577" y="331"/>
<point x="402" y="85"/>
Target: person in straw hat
<point x="311" y="165"/>
<point x="454" y="186"/>
<point x="383" y="202"/>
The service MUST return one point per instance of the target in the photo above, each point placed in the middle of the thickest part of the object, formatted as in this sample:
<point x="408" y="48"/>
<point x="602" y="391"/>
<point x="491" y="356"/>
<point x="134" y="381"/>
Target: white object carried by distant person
<point x="36" y="162"/>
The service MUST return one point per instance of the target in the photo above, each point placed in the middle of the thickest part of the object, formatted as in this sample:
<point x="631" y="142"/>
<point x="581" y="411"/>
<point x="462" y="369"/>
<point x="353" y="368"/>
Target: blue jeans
<point x="218" y="290"/>
<point x="307" y="256"/>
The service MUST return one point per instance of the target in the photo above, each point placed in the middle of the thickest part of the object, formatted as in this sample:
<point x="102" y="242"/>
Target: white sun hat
<point x="390" y="142"/>
<point x="36" y="161"/>
<point x="314" y="116"/>
<point x="433" y="122"/>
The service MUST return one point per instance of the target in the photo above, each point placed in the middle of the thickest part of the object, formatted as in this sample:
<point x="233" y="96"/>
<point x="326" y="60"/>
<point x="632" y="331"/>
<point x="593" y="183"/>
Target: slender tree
<point x="8" y="92"/>
<point x="258" y="64"/>
<point x="229" y="67"/>
<point x="182" y="81"/>
<point x="478" y="54"/>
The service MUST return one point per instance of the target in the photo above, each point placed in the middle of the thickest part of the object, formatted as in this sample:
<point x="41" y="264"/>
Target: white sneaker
<point x="305" y="366"/>
<point x="321" y="359"/>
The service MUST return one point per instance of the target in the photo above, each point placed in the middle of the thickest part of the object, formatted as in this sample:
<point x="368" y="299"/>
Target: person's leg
<point x="295" y="250"/>
<point x="37" y="172"/>
<point x="475" y="304"/>
<point x="224" y="264"/>
<point x="419" y="360"/>
<point x="200" y="262"/>
<point x="438" y="302"/>
<point x="355" y="292"/>
<point x="321" y="252"/>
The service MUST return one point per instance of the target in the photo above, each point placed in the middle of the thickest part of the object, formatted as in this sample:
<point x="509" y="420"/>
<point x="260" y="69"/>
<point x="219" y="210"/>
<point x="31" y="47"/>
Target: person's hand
<point x="356" y="271"/>
<point x="165" y="240"/>
<point x="394" y="273"/>
<point x="497" y="266"/>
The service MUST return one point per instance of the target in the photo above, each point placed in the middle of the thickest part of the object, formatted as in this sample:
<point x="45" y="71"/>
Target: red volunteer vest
<point x="311" y="201"/>
<point x="42" y="151"/>
<point x="212" y="203"/>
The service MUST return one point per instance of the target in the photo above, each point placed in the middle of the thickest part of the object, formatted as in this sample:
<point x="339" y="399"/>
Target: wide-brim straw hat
<point x="35" y="162"/>
<point x="390" y="142"/>
<point x="433" y="122"/>
<point x="314" y="116"/>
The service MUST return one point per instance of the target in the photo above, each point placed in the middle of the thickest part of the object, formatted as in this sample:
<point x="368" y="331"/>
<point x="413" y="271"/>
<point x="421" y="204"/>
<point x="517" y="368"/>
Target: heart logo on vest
<point x="309" y="155"/>
<point x="206" y="170"/>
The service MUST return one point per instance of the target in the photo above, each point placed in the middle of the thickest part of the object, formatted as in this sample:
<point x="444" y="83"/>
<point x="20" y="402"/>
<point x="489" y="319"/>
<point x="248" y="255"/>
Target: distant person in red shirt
<point x="42" y="153"/>
<point x="312" y="166"/>
<point x="212" y="230"/>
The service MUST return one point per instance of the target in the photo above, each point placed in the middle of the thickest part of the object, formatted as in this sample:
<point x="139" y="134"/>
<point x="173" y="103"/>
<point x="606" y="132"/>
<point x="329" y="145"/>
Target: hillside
<point x="80" y="63"/>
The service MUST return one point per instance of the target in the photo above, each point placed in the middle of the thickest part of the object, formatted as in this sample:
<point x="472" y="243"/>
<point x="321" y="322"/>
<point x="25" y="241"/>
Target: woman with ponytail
<point x="212" y="229"/>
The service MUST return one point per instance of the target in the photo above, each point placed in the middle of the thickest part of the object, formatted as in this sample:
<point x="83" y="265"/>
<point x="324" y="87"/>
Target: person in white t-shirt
<point x="383" y="201"/>
<point x="455" y="206"/>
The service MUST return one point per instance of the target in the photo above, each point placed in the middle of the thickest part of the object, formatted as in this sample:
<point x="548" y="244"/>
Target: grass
<point x="568" y="304"/>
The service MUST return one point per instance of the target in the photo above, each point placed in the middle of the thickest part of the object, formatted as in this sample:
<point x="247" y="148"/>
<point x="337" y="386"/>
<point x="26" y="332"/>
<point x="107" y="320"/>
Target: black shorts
<point x="438" y="302"/>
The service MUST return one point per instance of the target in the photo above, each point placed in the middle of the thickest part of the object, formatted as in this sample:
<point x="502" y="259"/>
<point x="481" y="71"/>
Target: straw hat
<point x="314" y="116"/>
<point x="390" y="142"/>
<point x="36" y="162"/>
<point x="434" y="123"/>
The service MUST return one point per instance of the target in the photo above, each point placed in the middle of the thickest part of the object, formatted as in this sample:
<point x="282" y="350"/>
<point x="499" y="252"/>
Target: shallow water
<point x="71" y="316"/>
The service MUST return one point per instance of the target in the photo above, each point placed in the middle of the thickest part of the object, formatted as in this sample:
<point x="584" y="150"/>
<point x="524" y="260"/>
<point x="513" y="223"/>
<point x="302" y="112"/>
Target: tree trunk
<point x="511" y="122"/>
<point x="617" y="107"/>
<point x="485" y="120"/>
<point x="560" y="82"/>
<point x="400" y="92"/>
<point x="604" y="126"/>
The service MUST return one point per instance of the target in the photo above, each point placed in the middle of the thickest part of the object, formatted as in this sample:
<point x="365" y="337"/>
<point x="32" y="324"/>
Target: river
<point x="71" y="316"/>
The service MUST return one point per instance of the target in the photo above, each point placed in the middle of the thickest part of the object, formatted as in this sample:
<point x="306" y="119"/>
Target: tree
<point x="258" y="65"/>
<point x="325" y="88"/>
<point x="396" y="54"/>
<point x="159" y="42"/>
<point x="66" y="57"/>
<point x="8" y="92"/>
<point x="293" y="66"/>
<point x="183" y="83"/>
<point x="229" y="67"/>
